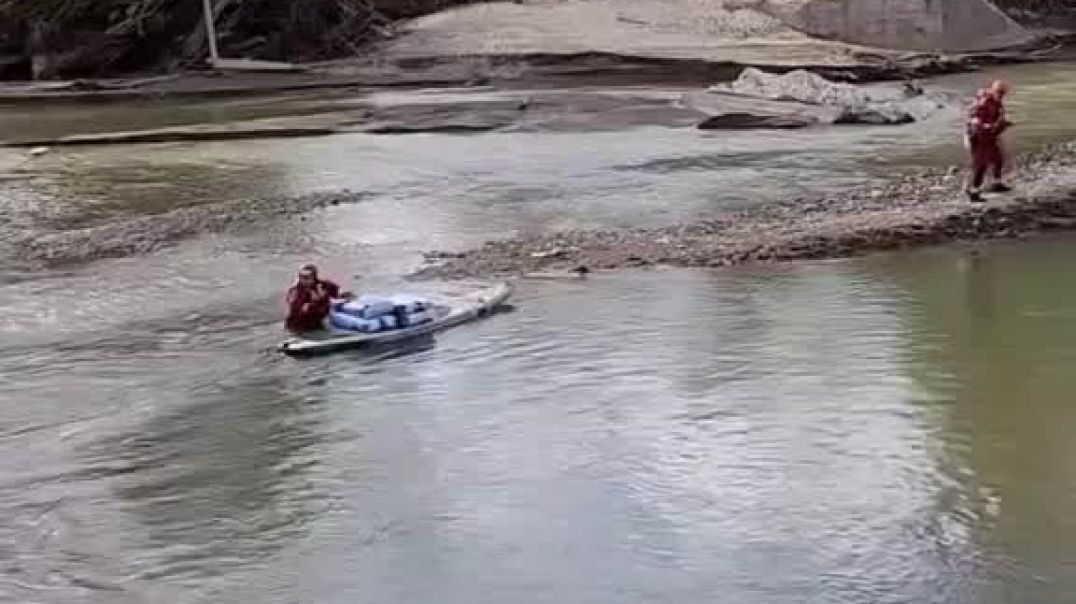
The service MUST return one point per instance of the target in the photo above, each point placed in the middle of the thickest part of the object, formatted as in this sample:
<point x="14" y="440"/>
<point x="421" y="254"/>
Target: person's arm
<point x="294" y="302"/>
<point x="975" y="122"/>
<point x="992" y="116"/>
<point x="333" y="291"/>
<point x="979" y="120"/>
<point x="1003" y="122"/>
<point x="322" y="292"/>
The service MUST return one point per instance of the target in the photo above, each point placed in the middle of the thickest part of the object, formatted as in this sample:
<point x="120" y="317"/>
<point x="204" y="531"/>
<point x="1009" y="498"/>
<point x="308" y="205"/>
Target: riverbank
<point x="567" y="69"/>
<point x="444" y="95"/>
<point x="914" y="210"/>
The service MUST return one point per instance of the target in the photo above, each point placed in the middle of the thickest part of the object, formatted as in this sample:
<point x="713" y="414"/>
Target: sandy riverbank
<point x="433" y="57"/>
<point x="914" y="210"/>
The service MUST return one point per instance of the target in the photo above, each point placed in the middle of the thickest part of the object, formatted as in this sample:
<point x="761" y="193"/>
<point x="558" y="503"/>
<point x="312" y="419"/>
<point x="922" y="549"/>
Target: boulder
<point x="724" y="111"/>
<point x="749" y="121"/>
<point x="874" y="116"/>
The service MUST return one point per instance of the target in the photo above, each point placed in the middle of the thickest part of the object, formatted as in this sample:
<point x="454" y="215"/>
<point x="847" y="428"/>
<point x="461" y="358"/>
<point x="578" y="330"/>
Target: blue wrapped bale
<point x="410" y="303"/>
<point x="389" y="322"/>
<point x="346" y="322"/>
<point x="368" y="307"/>
<point x="420" y="317"/>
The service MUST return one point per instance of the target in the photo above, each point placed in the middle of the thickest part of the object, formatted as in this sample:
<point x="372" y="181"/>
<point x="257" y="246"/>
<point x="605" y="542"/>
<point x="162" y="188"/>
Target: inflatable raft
<point x="438" y="315"/>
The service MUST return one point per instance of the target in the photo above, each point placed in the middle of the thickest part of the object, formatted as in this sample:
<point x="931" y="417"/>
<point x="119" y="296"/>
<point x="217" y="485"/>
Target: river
<point x="884" y="429"/>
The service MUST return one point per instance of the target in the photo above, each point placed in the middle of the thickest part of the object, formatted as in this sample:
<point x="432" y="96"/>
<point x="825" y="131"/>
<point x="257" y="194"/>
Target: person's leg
<point x="997" y="162"/>
<point x="978" y="169"/>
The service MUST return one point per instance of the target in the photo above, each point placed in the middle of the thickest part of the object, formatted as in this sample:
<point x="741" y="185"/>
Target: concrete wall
<point x="943" y="25"/>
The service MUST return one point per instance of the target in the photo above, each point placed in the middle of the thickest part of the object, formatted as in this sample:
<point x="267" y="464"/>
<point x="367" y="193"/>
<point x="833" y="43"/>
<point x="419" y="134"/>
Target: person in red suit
<point x="986" y="124"/>
<point x="310" y="300"/>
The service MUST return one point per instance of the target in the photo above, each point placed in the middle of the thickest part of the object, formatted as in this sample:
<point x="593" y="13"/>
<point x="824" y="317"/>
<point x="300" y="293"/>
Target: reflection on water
<point x="1002" y="327"/>
<point x="883" y="430"/>
<point x="220" y="480"/>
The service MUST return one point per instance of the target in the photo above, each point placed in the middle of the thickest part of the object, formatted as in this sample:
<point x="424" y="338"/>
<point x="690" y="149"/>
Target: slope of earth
<point x="668" y="29"/>
<point x="952" y="25"/>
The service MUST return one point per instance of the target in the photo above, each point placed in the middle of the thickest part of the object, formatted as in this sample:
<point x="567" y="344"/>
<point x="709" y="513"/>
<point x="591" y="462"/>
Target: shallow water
<point x="456" y="191"/>
<point x="889" y="429"/>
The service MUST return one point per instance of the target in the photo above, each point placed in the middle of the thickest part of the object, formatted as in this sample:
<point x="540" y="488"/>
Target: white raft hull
<point x="449" y="314"/>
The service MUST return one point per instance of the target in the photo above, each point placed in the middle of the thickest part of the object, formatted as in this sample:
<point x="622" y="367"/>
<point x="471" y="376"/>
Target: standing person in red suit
<point x="986" y="123"/>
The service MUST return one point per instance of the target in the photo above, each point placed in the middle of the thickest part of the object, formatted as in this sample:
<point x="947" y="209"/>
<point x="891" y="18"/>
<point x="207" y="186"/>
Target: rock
<point x="748" y="121"/>
<point x="836" y="102"/>
<point x="1057" y="222"/>
<point x="438" y="255"/>
<point x="558" y="252"/>
<point x="874" y="116"/>
<point x="736" y="112"/>
<point x="913" y="88"/>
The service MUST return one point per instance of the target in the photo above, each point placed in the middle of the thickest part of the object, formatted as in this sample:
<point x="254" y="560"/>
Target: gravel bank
<point x="913" y="210"/>
<point x="147" y="234"/>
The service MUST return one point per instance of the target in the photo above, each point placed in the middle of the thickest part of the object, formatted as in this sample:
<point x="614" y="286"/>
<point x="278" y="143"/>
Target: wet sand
<point x="914" y="210"/>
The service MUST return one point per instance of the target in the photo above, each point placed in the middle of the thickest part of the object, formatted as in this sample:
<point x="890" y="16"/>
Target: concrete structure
<point x="934" y="25"/>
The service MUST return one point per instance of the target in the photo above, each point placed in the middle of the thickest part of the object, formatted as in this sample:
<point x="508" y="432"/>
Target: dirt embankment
<point x="48" y="39"/>
<point x="786" y="33"/>
<point x="917" y="210"/>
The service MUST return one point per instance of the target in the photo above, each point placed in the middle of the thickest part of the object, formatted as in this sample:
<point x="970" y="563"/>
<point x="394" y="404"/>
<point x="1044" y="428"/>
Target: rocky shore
<point x="147" y="234"/>
<point x="919" y="209"/>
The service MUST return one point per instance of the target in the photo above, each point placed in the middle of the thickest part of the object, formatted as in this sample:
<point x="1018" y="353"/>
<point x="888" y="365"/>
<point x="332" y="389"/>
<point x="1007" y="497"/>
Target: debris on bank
<point x="758" y="99"/>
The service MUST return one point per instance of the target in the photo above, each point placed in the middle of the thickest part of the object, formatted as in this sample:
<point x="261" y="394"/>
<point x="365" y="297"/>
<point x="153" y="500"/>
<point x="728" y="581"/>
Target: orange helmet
<point x="999" y="87"/>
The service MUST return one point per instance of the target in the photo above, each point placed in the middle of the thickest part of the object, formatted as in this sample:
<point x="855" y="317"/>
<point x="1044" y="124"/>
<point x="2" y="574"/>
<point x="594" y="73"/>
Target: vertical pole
<point x="210" y="30"/>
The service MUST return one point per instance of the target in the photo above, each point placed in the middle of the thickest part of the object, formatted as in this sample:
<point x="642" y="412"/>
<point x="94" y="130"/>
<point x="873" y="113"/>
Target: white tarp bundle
<point x="371" y="314"/>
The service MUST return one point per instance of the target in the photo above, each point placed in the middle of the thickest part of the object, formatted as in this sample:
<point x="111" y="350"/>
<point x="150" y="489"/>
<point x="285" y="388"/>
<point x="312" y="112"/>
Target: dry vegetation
<point x="1056" y="13"/>
<point x="64" y="38"/>
<point x="70" y="38"/>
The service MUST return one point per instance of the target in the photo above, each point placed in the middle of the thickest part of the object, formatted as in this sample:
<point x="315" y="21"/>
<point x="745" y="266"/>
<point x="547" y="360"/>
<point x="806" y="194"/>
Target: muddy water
<point x="888" y="430"/>
<point x="882" y="430"/>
